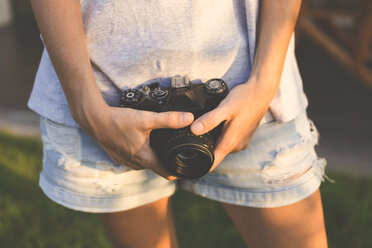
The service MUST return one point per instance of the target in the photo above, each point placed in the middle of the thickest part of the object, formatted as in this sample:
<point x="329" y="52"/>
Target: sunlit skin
<point x="243" y="108"/>
<point x="246" y="104"/>
<point x="147" y="226"/>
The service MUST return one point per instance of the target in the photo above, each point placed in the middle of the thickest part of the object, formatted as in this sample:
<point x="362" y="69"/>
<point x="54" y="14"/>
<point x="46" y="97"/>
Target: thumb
<point x="208" y="121"/>
<point x="170" y="119"/>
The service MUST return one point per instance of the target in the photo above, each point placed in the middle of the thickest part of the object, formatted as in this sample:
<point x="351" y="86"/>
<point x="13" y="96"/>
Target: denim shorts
<point x="278" y="168"/>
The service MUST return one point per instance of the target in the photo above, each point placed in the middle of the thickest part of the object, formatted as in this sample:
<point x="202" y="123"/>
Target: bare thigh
<point x="150" y="225"/>
<point x="297" y="225"/>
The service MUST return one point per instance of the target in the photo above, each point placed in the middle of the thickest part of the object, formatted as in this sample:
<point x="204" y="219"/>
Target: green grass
<point x="29" y="219"/>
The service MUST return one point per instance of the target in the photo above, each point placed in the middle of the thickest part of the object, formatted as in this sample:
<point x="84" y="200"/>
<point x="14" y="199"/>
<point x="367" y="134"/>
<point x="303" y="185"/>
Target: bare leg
<point x="297" y="225"/>
<point x="143" y="227"/>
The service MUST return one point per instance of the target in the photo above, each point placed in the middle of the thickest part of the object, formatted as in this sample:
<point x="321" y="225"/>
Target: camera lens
<point x="191" y="164"/>
<point x="189" y="156"/>
<point x="184" y="154"/>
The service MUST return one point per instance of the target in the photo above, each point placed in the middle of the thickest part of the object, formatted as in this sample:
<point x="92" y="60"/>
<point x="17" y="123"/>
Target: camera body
<point x="183" y="154"/>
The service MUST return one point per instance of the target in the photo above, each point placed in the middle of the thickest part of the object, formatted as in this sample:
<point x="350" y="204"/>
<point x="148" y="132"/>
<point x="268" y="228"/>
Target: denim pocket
<point x="61" y="138"/>
<point x="61" y="142"/>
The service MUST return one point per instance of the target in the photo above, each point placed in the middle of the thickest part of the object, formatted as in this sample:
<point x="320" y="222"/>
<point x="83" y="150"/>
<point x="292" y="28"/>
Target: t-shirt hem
<point x="58" y="115"/>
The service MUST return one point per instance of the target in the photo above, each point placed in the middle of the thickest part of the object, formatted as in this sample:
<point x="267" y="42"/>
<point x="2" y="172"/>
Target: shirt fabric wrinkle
<point x="131" y="43"/>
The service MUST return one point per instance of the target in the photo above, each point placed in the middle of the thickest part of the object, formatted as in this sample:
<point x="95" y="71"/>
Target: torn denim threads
<point x="279" y="167"/>
<point x="79" y="175"/>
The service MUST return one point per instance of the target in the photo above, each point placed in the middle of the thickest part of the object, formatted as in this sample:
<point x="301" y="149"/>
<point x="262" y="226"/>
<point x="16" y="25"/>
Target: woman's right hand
<point x="123" y="133"/>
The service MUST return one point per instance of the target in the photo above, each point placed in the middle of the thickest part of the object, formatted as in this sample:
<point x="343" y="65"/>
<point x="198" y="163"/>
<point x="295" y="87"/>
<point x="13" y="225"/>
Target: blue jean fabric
<point x="279" y="167"/>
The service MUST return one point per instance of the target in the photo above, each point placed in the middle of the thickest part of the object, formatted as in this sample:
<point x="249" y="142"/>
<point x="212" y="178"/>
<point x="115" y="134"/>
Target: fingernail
<point x="197" y="128"/>
<point x="186" y="117"/>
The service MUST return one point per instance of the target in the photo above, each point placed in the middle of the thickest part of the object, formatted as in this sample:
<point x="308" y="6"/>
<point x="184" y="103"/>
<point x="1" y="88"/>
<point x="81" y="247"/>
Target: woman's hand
<point x="246" y="104"/>
<point x="123" y="133"/>
<point x="242" y="109"/>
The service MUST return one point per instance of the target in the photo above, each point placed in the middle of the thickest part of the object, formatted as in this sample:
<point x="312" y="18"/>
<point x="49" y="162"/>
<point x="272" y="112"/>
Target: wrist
<point x="87" y="107"/>
<point x="264" y="87"/>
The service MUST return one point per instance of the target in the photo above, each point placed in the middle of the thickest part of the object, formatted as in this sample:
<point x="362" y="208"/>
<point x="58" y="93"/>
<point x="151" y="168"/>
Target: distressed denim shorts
<point x="278" y="168"/>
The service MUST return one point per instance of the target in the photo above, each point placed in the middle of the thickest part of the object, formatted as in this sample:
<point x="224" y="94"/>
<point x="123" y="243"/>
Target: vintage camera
<point x="184" y="154"/>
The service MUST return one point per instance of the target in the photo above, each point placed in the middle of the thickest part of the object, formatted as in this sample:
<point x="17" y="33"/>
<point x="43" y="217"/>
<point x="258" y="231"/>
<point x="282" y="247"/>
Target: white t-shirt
<point x="135" y="42"/>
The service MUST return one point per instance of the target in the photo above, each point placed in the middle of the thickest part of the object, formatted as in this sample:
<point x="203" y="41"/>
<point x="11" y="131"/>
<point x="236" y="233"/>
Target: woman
<point x="97" y="157"/>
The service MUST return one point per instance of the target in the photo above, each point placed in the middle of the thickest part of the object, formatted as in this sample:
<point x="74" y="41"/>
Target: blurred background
<point x="334" y="39"/>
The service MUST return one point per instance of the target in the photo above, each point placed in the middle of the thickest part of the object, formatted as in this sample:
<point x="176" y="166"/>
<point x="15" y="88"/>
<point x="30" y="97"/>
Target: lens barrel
<point x="184" y="154"/>
<point x="189" y="167"/>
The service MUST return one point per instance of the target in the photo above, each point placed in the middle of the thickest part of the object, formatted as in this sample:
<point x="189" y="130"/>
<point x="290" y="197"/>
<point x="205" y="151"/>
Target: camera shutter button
<point x="215" y="86"/>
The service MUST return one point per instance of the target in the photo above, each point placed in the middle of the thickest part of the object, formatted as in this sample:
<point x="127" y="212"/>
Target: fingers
<point x="119" y="160"/>
<point x="219" y="155"/>
<point x="230" y="141"/>
<point x="169" y="119"/>
<point x="223" y="147"/>
<point x="210" y="120"/>
<point x="147" y="159"/>
<point x="153" y="163"/>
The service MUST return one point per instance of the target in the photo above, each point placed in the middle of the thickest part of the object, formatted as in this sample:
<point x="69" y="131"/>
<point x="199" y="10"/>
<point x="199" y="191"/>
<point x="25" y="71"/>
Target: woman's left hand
<point x="242" y="109"/>
<point x="246" y="104"/>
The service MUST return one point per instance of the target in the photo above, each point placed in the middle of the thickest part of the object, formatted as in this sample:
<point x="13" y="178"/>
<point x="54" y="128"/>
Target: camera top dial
<point x="159" y="93"/>
<point x="130" y="97"/>
<point x="215" y="86"/>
